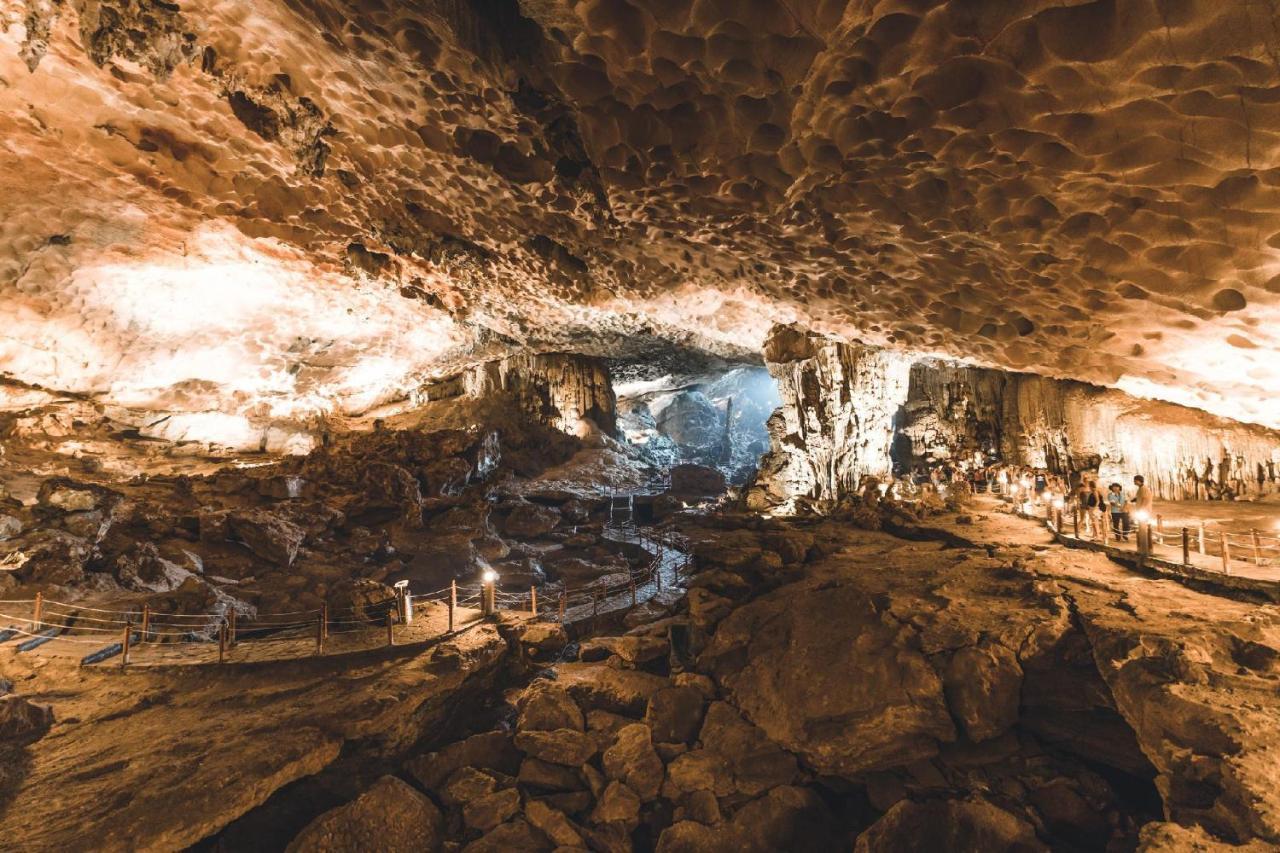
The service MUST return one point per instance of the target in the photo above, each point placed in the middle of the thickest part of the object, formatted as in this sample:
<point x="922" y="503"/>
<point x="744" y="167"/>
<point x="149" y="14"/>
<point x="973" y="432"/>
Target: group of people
<point x="1095" y="505"/>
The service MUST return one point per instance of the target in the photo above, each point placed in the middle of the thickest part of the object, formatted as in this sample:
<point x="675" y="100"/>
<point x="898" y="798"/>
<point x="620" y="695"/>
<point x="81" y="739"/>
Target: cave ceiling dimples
<point x="315" y="205"/>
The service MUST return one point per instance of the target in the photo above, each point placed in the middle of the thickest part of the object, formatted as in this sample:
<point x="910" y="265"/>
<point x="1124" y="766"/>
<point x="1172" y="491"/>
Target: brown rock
<point x="631" y="649"/>
<point x="544" y="636"/>
<point x="953" y="825"/>
<point x="545" y="776"/>
<point x="757" y="763"/>
<point x="701" y="806"/>
<point x="698" y="770"/>
<point x="553" y="824"/>
<point x="706" y="608"/>
<point x="529" y="521"/>
<point x="596" y="686"/>
<point x="511" y="836"/>
<point x="23" y="721"/>
<point x="675" y="714"/>
<point x="633" y="760"/>
<point x="486" y="812"/>
<point x="487" y="751"/>
<point x="618" y="804"/>
<point x="983" y="688"/>
<point x="547" y="706"/>
<point x="568" y="747"/>
<point x="389" y="816"/>
<point x="467" y="784"/>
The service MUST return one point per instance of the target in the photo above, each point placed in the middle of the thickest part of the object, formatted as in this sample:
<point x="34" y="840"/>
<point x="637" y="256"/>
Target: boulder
<point x="675" y="714"/>
<point x="546" y="706"/>
<point x="488" y="751"/>
<point x="983" y="687"/>
<point x="957" y="826"/>
<point x="529" y="521"/>
<point x="9" y="527"/>
<point x="632" y="759"/>
<point x="267" y="535"/>
<point x="53" y="557"/>
<point x="786" y="818"/>
<point x="568" y="747"/>
<point x="545" y="776"/>
<point x="691" y="479"/>
<point x="618" y="804"/>
<point x="706" y="609"/>
<point x="390" y="816"/>
<point x="598" y="686"/>
<point x="487" y="811"/>
<point x="831" y="676"/>
<point x="467" y="784"/>
<point x="757" y="763"/>
<point x="553" y="823"/>
<point x="515" y="834"/>
<point x="698" y="770"/>
<point x="360" y="599"/>
<point x="632" y="649"/>
<point x="23" y="721"/>
<point x="544" y="636"/>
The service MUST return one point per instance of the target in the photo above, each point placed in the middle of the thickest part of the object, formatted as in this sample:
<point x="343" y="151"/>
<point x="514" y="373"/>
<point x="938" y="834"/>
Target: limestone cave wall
<point x="836" y="422"/>
<point x="572" y="393"/>
<point x="954" y="411"/>
<point x="850" y="411"/>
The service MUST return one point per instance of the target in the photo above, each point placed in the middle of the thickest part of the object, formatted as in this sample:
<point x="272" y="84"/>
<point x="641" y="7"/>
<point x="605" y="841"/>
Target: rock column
<point x="836" y="422"/>
<point x="572" y="393"/>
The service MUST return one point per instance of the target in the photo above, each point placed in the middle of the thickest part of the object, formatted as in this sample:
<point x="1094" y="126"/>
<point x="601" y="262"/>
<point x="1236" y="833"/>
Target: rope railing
<point x="1067" y="518"/>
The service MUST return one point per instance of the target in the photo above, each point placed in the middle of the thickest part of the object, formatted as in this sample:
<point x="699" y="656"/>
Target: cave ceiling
<point x="290" y="206"/>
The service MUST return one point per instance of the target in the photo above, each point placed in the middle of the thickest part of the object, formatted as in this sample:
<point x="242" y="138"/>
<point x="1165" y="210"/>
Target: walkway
<point x="1251" y="563"/>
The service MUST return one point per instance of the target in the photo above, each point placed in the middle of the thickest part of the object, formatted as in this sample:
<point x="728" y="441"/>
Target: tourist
<point x="1119" y="506"/>
<point x="1095" y="505"/>
<point x="1143" y="500"/>
<point x="1041" y="481"/>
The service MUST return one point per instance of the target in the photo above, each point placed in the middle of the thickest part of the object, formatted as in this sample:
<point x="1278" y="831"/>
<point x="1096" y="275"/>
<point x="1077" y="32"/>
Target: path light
<point x="488" y="593"/>
<point x="1059" y="503"/>
<point x="1141" y="516"/>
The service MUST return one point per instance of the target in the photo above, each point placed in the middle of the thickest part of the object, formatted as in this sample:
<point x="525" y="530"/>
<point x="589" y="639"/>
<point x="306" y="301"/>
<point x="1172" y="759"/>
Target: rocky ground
<point x="825" y="686"/>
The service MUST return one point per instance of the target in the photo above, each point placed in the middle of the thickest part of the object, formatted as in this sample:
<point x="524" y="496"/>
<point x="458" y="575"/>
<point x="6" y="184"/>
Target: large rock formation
<point x="568" y="392"/>
<point x="836" y="423"/>
<point x="954" y="411"/>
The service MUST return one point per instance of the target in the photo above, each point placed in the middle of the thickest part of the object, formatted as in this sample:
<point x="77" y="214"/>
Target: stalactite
<point x="561" y="390"/>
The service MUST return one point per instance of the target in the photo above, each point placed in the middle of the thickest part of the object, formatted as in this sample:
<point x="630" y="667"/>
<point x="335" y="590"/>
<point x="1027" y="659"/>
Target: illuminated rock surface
<point x="374" y="192"/>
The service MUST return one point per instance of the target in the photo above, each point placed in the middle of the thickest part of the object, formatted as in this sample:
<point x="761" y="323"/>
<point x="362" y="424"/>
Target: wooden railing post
<point x="124" y="643"/>
<point x="1226" y="554"/>
<point x="562" y="604"/>
<point x="391" y="638"/>
<point x="319" y="634"/>
<point x="324" y="621"/>
<point x="1075" y="521"/>
<point x="1257" y="547"/>
<point x="35" y="618"/>
<point x="222" y="643"/>
<point x="1186" y="547"/>
<point x="533" y="600"/>
<point x="1200" y="534"/>
<point x="146" y="623"/>
<point x="453" y="602"/>
<point x="231" y="630"/>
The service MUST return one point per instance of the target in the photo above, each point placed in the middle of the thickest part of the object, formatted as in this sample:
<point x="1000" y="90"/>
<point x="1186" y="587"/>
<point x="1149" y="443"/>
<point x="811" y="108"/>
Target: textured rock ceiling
<point x="285" y="206"/>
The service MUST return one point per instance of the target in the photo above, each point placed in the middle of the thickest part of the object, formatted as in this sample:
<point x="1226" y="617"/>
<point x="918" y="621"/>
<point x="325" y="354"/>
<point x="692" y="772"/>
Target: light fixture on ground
<point x="488" y="592"/>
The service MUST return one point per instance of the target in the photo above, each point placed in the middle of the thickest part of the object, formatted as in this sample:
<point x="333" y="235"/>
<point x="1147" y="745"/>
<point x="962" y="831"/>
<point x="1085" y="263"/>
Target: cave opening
<point x="709" y="424"/>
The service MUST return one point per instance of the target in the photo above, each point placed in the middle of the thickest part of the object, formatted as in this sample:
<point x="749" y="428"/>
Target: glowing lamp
<point x="1059" y="503"/>
<point x="1048" y="496"/>
<point x="489" y="576"/>
<point x="1142" y="516"/>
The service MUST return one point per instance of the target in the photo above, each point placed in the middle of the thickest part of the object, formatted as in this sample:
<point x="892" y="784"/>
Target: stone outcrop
<point x="836" y="423"/>
<point x="568" y="392"/>
<point x="390" y="816"/>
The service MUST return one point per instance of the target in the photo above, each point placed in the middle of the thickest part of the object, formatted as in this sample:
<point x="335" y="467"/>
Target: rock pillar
<point x="836" y="422"/>
<point x="571" y="393"/>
